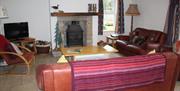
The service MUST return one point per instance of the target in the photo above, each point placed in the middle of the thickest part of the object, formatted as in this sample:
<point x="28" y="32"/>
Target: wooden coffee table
<point x="71" y="52"/>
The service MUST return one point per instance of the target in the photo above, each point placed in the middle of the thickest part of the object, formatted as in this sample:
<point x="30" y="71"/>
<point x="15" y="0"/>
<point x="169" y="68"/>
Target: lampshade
<point x="3" y="12"/>
<point x="132" y="10"/>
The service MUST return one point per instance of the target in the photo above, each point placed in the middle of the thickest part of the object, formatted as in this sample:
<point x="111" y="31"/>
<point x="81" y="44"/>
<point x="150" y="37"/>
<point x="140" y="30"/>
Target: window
<point x="109" y="15"/>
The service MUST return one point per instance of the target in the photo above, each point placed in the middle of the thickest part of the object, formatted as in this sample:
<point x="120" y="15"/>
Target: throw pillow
<point x="17" y="50"/>
<point x="9" y="48"/>
<point x="134" y="39"/>
<point x="138" y="40"/>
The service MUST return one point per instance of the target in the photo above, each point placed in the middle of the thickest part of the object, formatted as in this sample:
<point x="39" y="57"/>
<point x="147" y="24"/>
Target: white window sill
<point x="108" y="31"/>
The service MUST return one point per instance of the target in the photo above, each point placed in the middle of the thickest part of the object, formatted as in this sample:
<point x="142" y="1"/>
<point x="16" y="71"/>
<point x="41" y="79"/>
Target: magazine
<point x="78" y="50"/>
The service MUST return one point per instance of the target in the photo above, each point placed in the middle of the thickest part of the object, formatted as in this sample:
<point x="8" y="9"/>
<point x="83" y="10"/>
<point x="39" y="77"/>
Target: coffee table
<point x="72" y="52"/>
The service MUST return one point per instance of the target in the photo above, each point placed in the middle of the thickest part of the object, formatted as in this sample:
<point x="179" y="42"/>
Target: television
<point x="16" y="30"/>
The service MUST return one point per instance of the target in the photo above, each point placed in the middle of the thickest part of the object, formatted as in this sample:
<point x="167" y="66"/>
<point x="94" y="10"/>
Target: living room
<point x="42" y="25"/>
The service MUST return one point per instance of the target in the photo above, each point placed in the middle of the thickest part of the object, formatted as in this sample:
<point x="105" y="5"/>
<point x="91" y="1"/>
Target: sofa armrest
<point x="123" y="37"/>
<point x="54" y="77"/>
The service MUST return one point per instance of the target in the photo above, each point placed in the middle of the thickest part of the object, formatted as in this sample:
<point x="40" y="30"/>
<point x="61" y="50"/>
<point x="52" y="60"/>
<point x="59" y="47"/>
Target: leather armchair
<point x="131" y="45"/>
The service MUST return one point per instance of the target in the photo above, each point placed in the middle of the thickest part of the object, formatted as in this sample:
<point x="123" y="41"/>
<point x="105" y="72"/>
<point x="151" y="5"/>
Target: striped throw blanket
<point x="117" y="73"/>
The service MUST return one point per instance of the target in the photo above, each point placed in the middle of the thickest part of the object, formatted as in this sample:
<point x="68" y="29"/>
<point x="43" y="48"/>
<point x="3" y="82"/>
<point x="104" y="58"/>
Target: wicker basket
<point x="42" y="47"/>
<point x="43" y="50"/>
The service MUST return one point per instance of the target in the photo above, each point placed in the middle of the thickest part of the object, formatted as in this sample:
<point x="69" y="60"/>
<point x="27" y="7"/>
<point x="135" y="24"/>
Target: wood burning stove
<point x="74" y="34"/>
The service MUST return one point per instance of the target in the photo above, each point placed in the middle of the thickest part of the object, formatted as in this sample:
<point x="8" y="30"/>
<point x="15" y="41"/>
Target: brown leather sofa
<point x="140" y="41"/>
<point x="57" y="77"/>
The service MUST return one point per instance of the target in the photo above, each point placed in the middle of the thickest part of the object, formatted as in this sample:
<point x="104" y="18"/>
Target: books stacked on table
<point x="78" y="50"/>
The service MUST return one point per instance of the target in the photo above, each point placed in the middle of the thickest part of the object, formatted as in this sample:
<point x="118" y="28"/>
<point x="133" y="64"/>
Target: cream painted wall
<point x="153" y="14"/>
<point x="72" y="5"/>
<point x="35" y="12"/>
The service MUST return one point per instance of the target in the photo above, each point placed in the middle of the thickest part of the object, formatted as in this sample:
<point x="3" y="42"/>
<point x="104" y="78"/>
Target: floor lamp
<point x="132" y="11"/>
<point x="3" y="14"/>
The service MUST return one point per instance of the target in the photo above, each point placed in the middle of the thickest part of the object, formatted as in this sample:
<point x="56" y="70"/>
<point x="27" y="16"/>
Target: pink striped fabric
<point x="117" y="73"/>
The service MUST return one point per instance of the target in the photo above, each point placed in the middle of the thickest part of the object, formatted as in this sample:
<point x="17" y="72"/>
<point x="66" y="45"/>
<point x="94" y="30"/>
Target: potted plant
<point x="58" y="41"/>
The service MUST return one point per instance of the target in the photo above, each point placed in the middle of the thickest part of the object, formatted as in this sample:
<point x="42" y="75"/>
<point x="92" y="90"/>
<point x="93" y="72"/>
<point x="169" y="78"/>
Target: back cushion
<point x="154" y="36"/>
<point x="149" y="35"/>
<point x="16" y="49"/>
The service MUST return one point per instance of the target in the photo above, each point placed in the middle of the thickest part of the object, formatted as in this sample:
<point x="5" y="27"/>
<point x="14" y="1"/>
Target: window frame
<point x="111" y="12"/>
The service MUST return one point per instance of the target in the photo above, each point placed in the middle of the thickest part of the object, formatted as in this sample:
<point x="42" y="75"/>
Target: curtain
<point x="172" y="22"/>
<point x="120" y="17"/>
<point x="100" y="18"/>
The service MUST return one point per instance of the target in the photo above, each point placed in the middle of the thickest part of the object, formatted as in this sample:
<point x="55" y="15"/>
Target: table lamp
<point x="132" y="11"/>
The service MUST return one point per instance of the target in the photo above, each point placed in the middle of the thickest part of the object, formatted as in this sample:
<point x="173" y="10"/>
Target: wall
<point x="153" y="14"/>
<point x="35" y="12"/>
<point x="72" y="5"/>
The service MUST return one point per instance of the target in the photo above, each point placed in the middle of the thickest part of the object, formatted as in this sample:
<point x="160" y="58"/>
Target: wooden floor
<point x="25" y="83"/>
<point x="28" y="83"/>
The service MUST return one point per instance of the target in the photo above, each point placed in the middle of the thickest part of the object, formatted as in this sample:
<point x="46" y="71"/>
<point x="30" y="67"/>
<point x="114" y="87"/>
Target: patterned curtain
<point x="120" y="17"/>
<point x="100" y="18"/>
<point x="172" y="22"/>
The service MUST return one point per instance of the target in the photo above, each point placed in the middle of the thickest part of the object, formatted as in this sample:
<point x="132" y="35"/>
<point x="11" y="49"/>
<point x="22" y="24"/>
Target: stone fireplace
<point x="74" y="34"/>
<point x="85" y="23"/>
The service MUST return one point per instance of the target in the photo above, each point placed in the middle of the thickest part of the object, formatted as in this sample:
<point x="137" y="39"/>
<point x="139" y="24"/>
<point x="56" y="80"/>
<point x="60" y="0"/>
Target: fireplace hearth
<point x="74" y="34"/>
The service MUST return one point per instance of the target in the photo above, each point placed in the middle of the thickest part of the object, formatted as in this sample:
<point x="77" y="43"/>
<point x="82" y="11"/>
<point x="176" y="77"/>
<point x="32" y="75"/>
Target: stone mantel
<point x="75" y="14"/>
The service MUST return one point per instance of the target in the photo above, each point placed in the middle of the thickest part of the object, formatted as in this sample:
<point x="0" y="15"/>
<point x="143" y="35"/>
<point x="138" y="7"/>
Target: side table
<point x="24" y="41"/>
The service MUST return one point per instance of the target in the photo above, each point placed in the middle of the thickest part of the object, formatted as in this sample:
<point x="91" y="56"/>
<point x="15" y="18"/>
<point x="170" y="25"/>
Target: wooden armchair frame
<point x="28" y="63"/>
